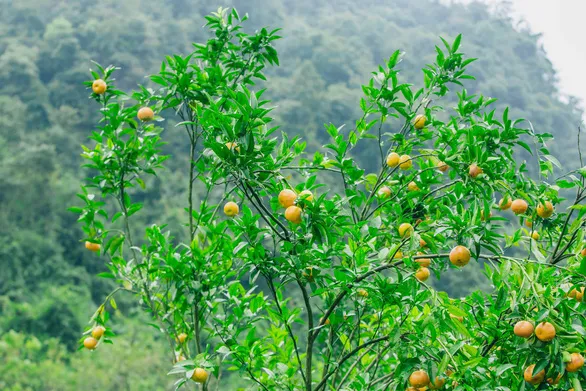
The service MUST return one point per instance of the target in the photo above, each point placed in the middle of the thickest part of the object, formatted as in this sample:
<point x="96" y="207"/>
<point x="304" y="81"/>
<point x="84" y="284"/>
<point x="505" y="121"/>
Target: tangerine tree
<point x="301" y="271"/>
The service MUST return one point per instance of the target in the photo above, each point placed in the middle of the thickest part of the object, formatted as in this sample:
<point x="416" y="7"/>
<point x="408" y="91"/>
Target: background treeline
<point x="48" y="286"/>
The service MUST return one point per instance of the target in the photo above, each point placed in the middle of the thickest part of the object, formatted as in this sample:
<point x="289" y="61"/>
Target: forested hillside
<point x="48" y="286"/>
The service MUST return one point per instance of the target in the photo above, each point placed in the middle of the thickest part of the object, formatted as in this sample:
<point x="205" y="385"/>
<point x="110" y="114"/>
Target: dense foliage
<point x="46" y="284"/>
<point x="296" y="286"/>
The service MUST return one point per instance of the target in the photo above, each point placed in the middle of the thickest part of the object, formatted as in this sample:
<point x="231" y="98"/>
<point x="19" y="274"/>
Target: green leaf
<point x="456" y="311"/>
<point x="541" y="365"/>
<point x="503" y="368"/>
<point x="394" y="59"/>
<point x="342" y="275"/>
<point x="582" y="268"/>
<point x="456" y="44"/>
<point x="538" y="255"/>
<point x="553" y="160"/>
<point x="564" y="184"/>
<point x="141" y="183"/>
<point x="134" y="208"/>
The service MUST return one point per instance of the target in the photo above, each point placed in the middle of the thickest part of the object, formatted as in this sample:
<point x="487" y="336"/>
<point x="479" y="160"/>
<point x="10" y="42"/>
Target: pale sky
<point x="564" y="38"/>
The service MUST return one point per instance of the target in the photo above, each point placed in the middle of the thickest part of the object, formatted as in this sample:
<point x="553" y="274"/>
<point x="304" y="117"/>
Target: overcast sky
<point x="563" y="28"/>
<point x="564" y="31"/>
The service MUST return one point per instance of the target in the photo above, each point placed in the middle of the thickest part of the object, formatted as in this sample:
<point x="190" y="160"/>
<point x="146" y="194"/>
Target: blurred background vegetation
<point x="48" y="283"/>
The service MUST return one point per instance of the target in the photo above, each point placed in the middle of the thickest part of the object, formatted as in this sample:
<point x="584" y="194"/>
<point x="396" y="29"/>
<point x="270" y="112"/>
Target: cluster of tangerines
<point x="99" y="87"/>
<point x="97" y="333"/>
<point x="405" y="162"/>
<point x="419" y="381"/>
<point x="200" y="375"/>
<point x="544" y="332"/>
<point x="459" y="255"/>
<point x="287" y="199"/>
<point x="144" y="114"/>
<point x="519" y="207"/>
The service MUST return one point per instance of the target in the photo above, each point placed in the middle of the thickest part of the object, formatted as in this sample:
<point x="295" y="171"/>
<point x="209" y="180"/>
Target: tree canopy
<point x="328" y="53"/>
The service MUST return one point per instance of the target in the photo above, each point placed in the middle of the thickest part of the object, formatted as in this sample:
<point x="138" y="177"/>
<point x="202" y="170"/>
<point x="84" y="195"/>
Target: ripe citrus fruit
<point x="231" y="209"/>
<point x="482" y="215"/>
<point x="523" y="329"/>
<point x="419" y="379"/>
<point x="362" y="292"/>
<point x="99" y="86"/>
<point x="98" y="332"/>
<point x="423" y="262"/>
<point x="308" y="274"/>
<point x="545" y="331"/>
<point x="405" y="230"/>
<point x="90" y="343"/>
<point x="422" y="243"/>
<point x="533" y="378"/>
<point x="545" y="210"/>
<point x="535" y="235"/>
<point x="145" y="114"/>
<point x="405" y="162"/>
<point x="306" y="195"/>
<point x="576" y="363"/>
<point x="398" y="255"/>
<point x="393" y="159"/>
<point x="556" y="381"/>
<point x="460" y="256"/>
<point x="528" y="223"/>
<point x="327" y="322"/>
<point x="293" y="214"/>
<point x="504" y="205"/>
<point x="577" y="294"/>
<point x="412" y="186"/>
<point x="233" y="146"/>
<point x="419" y="122"/>
<point x="92" y="246"/>
<point x="437" y="383"/>
<point x="200" y="375"/>
<point x="474" y="170"/>
<point x="384" y="192"/>
<point x="519" y="206"/>
<point x="583" y="252"/>
<point x="422" y="274"/>
<point x="181" y="338"/>
<point x="443" y="167"/>
<point x="287" y="198"/>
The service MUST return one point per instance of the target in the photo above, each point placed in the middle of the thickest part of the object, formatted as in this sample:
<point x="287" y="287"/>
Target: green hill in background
<point x="48" y="286"/>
